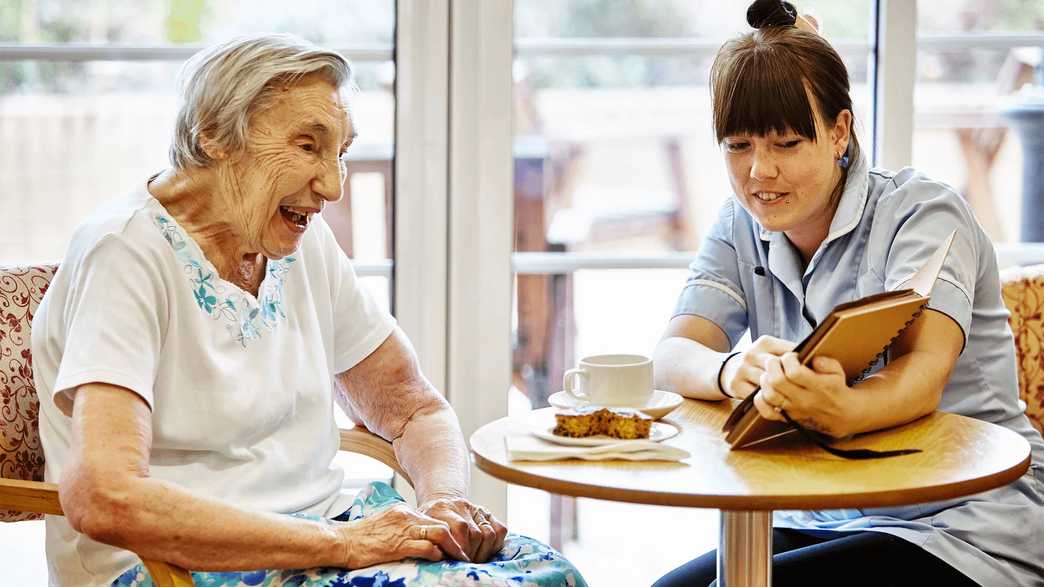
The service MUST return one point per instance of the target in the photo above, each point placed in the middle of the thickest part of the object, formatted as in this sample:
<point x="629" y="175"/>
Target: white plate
<point x="659" y="405"/>
<point x="541" y="425"/>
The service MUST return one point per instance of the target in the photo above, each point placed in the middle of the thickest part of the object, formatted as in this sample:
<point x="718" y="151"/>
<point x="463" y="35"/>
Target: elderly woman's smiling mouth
<point x="297" y="218"/>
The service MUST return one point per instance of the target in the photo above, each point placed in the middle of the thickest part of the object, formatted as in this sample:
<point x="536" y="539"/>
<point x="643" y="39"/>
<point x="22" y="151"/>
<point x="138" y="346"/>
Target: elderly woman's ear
<point x="211" y="148"/>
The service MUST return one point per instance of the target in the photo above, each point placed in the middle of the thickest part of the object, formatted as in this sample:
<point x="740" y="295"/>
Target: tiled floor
<point x="631" y="545"/>
<point x="620" y="544"/>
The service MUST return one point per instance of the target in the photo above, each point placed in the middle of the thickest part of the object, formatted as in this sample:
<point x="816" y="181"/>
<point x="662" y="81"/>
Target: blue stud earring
<point x="842" y="161"/>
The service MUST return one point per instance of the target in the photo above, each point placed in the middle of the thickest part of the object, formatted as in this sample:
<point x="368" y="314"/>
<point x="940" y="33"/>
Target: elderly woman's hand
<point x="473" y="527"/>
<point x="815" y="398"/>
<point x="396" y="533"/>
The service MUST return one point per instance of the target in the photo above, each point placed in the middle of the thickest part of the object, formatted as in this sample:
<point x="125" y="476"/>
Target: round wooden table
<point x="961" y="456"/>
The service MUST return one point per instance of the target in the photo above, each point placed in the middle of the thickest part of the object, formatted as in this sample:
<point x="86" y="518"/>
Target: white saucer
<point x="659" y="405"/>
<point x="542" y="423"/>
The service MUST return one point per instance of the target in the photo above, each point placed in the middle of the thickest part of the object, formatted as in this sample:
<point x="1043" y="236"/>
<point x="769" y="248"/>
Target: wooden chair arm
<point x="167" y="575"/>
<point x="30" y="496"/>
<point x="362" y="441"/>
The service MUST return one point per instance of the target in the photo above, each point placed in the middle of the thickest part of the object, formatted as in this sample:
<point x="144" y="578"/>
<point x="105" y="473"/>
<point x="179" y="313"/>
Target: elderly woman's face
<point x="785" y="180"/>
<point x="292" y="165"/>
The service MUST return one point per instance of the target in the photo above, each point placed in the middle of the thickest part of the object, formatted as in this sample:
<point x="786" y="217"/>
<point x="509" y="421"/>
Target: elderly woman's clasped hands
<point x="444" y="527"/>
<point x="473" y="527"/>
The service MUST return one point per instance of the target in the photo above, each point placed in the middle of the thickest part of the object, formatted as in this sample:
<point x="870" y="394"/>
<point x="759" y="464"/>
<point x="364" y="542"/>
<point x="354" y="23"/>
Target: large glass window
<point x="615" y="161"/>
<point x="87" y="103"/>
<point x="87" y="100"/>
<point x="976" y="60"/>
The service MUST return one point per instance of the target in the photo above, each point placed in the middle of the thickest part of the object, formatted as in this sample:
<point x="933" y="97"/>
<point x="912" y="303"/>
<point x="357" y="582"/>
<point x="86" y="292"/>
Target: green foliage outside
<point x="183" y="23"/>
<point x="679" y="19"/>
<point x="1019" y="15"/>
<point x="716" y="20"/>
<point x="366" y="21"/>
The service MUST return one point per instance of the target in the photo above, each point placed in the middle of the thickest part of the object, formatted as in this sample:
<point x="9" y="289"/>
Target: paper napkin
<point x="526" y="447"/>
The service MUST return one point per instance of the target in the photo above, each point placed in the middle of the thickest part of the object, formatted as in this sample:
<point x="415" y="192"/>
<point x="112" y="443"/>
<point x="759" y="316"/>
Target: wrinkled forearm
<point x="162" y="521"/>
<point x="432" y="450"/>
<point x="390" y="395"/>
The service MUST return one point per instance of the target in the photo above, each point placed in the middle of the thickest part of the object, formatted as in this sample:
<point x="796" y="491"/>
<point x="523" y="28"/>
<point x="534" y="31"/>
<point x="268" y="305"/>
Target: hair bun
<point x="771" y="13"/>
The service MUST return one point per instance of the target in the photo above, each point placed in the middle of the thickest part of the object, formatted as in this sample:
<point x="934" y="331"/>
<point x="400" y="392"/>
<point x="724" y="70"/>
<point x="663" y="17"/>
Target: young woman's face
<point x="785" y="181"/>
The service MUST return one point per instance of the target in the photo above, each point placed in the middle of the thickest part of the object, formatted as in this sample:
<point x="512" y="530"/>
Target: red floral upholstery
<point x="1024" y="296"/>
<point x="21" y="457"/>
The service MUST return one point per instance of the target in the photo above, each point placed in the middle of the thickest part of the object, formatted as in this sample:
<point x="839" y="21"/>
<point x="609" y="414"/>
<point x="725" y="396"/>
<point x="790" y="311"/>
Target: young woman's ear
<point x="842" y="132"/>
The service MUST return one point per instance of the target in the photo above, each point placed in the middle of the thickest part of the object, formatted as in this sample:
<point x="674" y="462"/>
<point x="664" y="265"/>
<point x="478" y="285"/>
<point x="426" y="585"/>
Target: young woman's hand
<point x="816" y="398"/>
<point x="742" y="373"/>
<point x="394" y="534"/>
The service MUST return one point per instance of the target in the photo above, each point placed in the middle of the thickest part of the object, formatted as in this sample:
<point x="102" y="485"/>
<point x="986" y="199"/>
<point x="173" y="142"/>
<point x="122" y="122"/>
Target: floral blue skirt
<point x="521" y="562"/>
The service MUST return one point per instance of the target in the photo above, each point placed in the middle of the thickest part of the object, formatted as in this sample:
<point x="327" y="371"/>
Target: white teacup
<point x="611" y="380"/>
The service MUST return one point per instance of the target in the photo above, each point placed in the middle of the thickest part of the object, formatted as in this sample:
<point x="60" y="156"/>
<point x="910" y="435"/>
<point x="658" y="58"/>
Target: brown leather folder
<point x="857" y="334"/>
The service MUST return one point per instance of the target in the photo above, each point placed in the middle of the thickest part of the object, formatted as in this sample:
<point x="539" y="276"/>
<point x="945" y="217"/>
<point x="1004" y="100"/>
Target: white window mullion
<point x="481" y="222"/>
<point x="421" y="156"/>
<point x="895" y="71"/>
<point x="421" y="203"/>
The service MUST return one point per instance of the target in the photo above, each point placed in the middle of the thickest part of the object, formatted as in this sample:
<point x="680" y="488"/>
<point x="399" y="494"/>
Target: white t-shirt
<point x="241" y="389"/>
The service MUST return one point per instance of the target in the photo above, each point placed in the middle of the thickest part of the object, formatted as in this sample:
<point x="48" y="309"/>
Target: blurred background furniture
<point x="23" y="493"/>
<point x="1023" y="289"/>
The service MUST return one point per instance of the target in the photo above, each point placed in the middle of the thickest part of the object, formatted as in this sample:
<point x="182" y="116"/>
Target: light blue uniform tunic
<point x="885" y="227"/>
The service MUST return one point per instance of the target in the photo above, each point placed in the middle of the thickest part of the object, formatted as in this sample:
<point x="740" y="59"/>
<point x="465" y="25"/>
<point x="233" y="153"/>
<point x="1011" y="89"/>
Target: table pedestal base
<point x="745" y="549"/>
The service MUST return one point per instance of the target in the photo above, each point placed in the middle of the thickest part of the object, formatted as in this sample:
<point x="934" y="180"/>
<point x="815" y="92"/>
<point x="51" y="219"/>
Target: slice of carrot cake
<point x="623" y="423"/>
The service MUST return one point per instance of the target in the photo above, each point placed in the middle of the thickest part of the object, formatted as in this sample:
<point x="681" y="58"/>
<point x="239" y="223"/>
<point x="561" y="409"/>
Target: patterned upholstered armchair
<point x="23" y="493"/>
<point x="1024" y="296"/>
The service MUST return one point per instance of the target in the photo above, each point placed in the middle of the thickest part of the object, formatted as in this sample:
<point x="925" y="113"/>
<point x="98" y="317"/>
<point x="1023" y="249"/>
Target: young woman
<point x="811" y="225"/>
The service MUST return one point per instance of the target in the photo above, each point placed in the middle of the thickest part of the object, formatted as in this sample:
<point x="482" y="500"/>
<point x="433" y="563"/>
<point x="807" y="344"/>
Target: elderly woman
<point x="193" y="345"/>
<point x="809" y="226"/>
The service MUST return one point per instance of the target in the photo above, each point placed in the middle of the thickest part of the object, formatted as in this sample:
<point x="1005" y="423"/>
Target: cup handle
<point x="571" y="376"/>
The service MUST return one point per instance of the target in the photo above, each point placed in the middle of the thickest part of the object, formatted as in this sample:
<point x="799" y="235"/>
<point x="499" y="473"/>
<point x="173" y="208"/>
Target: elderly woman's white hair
<point x="221" y="87"/>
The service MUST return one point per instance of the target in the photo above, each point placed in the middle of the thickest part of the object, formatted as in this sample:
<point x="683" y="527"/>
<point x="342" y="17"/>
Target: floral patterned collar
<point x="248" y="317"/>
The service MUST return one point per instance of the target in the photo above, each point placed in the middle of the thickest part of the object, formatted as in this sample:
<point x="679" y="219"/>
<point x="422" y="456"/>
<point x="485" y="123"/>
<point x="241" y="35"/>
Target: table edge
<point x="869" y="499"/>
